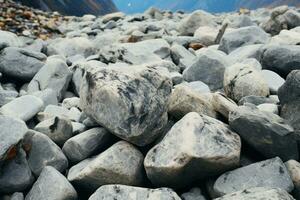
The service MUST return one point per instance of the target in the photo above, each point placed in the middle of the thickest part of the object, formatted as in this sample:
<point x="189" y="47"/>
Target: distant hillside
<point x="73" y="7"/>
<point x="133" y="6"/>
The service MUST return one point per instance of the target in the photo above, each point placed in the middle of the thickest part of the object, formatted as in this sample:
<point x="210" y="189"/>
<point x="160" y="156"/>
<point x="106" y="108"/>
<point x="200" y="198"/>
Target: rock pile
<point x="158" y="105"/>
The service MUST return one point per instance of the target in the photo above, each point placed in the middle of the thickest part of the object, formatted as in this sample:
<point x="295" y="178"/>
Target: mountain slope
<point x="73" y="7"/>
<point x="132" y="6"/>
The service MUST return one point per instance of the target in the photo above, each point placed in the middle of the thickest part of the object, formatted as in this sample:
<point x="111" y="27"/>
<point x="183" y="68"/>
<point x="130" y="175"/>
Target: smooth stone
<point x="9" y="39"/>
<point x="241" y="80"/>
<point x="266" y="132"/>
<point x="17" y="196"/>
<point x="206" y="143"/>
<point x="12" y="132"/>
<point x="250" y="51"/>
<point x="179" y="52"/>
<point x="258" y="193"/>
<point x="51" y="185"/>
<point x="269" y="107"/>
<point x="257" y="100"/>
<point x="48" y="96"/>
<point x="268" y="173"/>
<point x="126" y="100"/>
<point x="86" y="144"/>
<point x="52" y="111"/>
<point x="24" y="107"/>
<point x="71" y="102"/>
<point x="25" y="67"/>
<point x="207" y="35"/>
<point x="293" y="168"/>
<point x="54" y="75"/>
<point x="123" y="192"/>
<point x="58" y="129"/>
<point x="274" y="81"/>
<point x="176" y="78"/>
<point x="223" y="104"/>
<point x="243" y="36"/>
<point x="7" y="96"/>
<point x="122" y="164"/>
<point x="43" y="152"/>
<point x="198" y="86"/>
<point x="184" y="100"/>
<point x="290" y="90"/>
<point x="15" y="174"/>
<point x="78" y="128"/>
<point x="193" y="194"/>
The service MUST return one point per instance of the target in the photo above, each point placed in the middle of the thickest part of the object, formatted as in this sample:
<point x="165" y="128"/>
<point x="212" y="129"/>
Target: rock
<point x="23" y="68"/>
<point x="78" y="128"/>
<point x="52" y="111"/>
<point x="223" y="104"/>
<point x="48" y="96"/>
<point x="17" y="196"/>
<point x="274" y="81"/>
<point x="198" y="86"/>
<point x="245" y="52"/>
<point x="266" y="132"/>
<point x="24" y="107"/>
<point x="58" y="129"/>
<point x="184" y="100"/>
<point x="51" y="185"/>
<point x="53" y="75"/>
<point x="269" y="173"/>
<point x="176" y="78"/>
<point x="242" y="37"/>
<point x="241" y="80"/>
<point x="208" y="67"/>
<point x="258" y="193"/>
<point x="290" y="112"/>
<point x="207" y="35"/>
<point x="293" y="168"/>
<point x="9" y="39"/>
<point x="179" y="52"/>
<point x="113" y="17"/>
<point x="281" y="59"/>
<point x="86" y="144"/>
<point x="122" y="163"/>
<point x="15" y="174"/>
<point x="125" y="100"/>
<point x="71" y="102"/>
<point x="269" y="107"/>
<point x="286" y="37"/>
<point x="122" y="192"/>
<point x="188" y="25"/>
<point x="193" y="194"/>
<point x="241" y="21"/>
<point x="292" y="18"/>
<point x="43" y="152"/>
<point x="7" y="96"/>
<point x="68" y="47"/>
<point x="290" y="90"/>
<point x="257" y="100"/>
<point x="175" y="167"/>
<point x="12" y="132"/>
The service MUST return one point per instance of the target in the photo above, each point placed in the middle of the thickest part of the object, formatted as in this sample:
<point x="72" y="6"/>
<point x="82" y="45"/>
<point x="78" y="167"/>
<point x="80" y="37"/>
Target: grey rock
<point x="286" y="37"/>
<point x="7" y="96"/>
<point x="123" y="192"/>
<point x="281" y="59"/>
<point x="78" y="128"/>
<point x="242" y="37"/>
<point x="43" y="152"/>
<point x="257" y="100"/>
<point x="51" y="185"/>
<point x="176" y="78"/>
<point x="48" y="96"/>
<point x="198" y="86"/>
<point x="244" y="52"/>
<point x="193" y="194"/>
<point x="122" y="163"/>
<point x="290" y="90"/>
<point x="12" y="132"/>
<point x="113" y="17"/>
<point x="71" y="102"/>
<point x="25" y="67"/>
<point x="23" y="108"/>
<point x="126" y="100"/>
<point x="53" y="75"/>
<point x="241" y="21"/>
<point x="86" y="144"/>
<point x="58" y="129"/>
<point x="293" y="168"/>
<point x="290" y="112"/>
<point x="266" y="132"/>
<point x="207" y="35"/>
<point x="193" y="141"/>
<point x="269" y="173"/>
<point x="223" y="104"/>
<point x="52" y="111"/>
<point x="242" y="80"/>
<point x="274" y="80"/>
<point x="9" y="39"/>
<point x="258" y="193"/>
<point x="15" y="174"/>
<point x="269" y="107"/>
<point x="17" y="196"/>
<point x="184" y="100"/>
<point x="179" y="52"/>
<point x="193" y="21"/>
<point x="208" y="67"/>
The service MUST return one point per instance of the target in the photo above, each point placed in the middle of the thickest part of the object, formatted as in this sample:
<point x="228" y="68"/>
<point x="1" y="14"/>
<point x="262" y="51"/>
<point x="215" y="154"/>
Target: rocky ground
<point x="153" y="106"/>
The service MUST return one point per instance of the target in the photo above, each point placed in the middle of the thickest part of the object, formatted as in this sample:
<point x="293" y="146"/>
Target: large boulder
<point x="122" y="163"/>
<point x="188" y="25"/>
<point x="208" y="67"/>
<point x="193" y="141"/>
<point x="281" y="59"/>
<point x="266" y="132"/>
<point x="51" y="185"/>
<point x="12" y="132"/>
<point x="258" y="193"/>
<point x="25" y="67"/>
<point x="184" y="100"/>
<point x="242" y="37"/>
<point x="131" y="102"/>
<point x="269" y="173"/>
<point x="54" y="75"/>
<point x="43" y="152"/>
<point x="242" y="80"/>
<point x="123" y="192"/>
<point x="8" y="39"/>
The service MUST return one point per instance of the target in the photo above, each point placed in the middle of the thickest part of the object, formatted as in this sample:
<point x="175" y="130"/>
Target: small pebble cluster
<point x="153" y="106"/>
